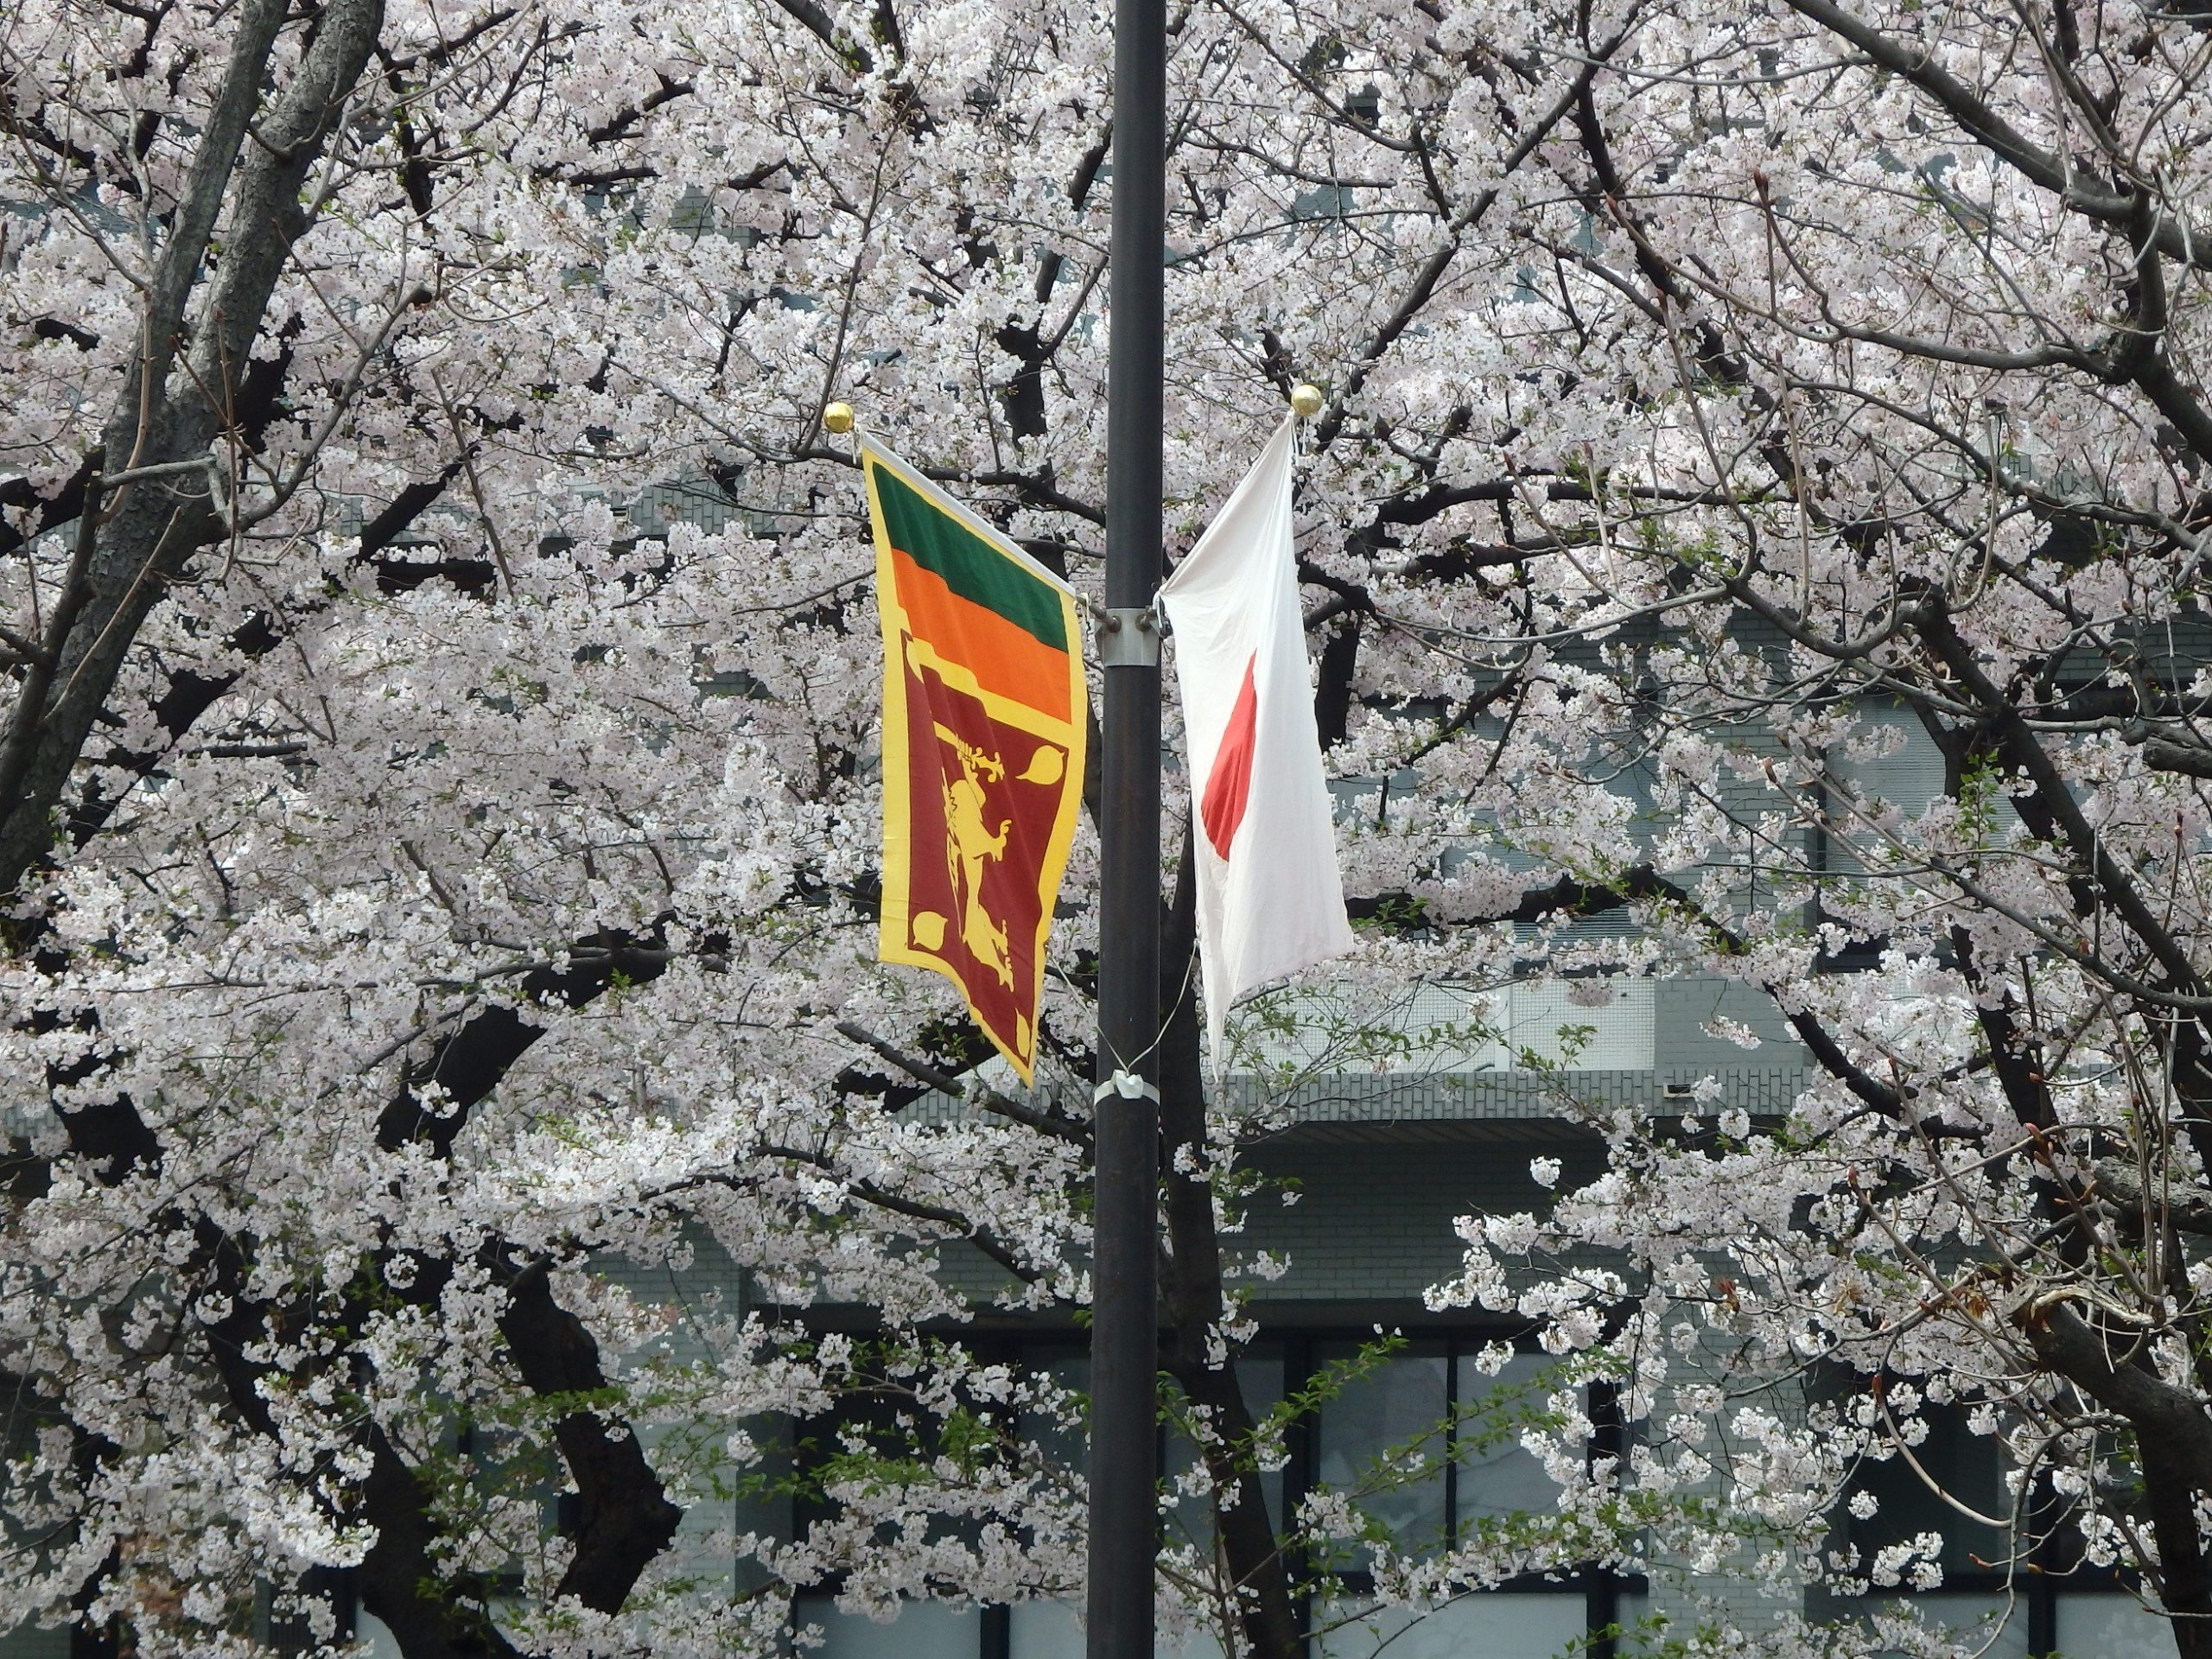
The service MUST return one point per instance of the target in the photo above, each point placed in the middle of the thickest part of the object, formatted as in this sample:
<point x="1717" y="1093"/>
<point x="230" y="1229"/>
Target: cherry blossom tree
<point x="440" y="865"/>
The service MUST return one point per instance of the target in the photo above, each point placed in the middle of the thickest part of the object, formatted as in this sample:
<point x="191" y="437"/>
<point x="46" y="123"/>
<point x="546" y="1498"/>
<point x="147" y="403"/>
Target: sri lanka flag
<point x="983" y="724"/>
<point x="1270" y="901"/>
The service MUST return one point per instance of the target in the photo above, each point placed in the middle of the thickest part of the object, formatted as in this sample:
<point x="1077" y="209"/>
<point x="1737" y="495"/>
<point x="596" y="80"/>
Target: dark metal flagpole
<point x="1124" y="1332"/>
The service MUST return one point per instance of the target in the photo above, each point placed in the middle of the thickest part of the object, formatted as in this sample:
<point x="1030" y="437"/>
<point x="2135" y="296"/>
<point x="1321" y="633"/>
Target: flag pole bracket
<point x="1125" y="1085"/>
<point x="1130" y="637"/>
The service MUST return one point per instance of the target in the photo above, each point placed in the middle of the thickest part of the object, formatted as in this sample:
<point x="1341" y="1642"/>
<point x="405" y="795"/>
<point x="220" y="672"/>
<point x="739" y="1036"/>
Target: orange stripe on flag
<point x="1004" y="659"/>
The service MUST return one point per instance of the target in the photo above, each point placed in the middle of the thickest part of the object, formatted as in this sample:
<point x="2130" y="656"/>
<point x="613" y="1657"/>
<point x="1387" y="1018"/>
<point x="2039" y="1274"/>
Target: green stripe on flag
<point x="970" y="566"/>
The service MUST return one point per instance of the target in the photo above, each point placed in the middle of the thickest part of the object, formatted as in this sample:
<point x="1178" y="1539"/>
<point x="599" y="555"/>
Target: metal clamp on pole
<point x="1125" y="1085"/>
<point x="1129" y="639"/>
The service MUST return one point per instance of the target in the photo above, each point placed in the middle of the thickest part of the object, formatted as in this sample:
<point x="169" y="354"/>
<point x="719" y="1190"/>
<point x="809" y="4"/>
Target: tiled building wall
<point x="1373" y="1220"/>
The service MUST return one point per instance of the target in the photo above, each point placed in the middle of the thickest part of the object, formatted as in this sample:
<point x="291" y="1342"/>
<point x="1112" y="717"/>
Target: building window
<point x="2112" y="1624"/>
<point x="1879" y="781"/>
<point x="1904" y="1506"/>
<point x="1377" y="1423"/>
<point x="1450" y="1029"/>
<point x="2016" y="1592"/>
<point x="1406" y="1399"/>
<point x="1500" y="1625"/>
<point x="1433" y="1400"/>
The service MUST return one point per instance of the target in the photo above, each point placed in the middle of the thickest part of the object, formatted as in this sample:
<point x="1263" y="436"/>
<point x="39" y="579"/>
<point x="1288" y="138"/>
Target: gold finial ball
<point x="838" y="417"/>
<point x="1306" y="400"/>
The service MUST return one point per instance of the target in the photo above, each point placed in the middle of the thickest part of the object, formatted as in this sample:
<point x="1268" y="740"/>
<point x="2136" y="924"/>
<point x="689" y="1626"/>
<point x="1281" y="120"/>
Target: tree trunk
<point x="401" y="1580"/>
<point x="154" y="525"/>
<point x="1191" y="1302"/>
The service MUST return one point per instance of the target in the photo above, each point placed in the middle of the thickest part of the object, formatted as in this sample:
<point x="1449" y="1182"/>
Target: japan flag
<point x="1270" y="899"/>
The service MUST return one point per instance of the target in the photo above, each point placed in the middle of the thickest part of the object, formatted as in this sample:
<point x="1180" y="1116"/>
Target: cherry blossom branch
<point x="967" y="1088"/>
<point x="2054" y="174"/>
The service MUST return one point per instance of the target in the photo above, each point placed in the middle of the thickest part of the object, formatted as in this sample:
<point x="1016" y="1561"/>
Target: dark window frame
<point x="2050" y="1571"/>
<point x="1601" y="1591"/>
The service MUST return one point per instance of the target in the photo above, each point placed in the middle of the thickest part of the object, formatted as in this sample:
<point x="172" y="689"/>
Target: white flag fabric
<point x="1270" y="901"/>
